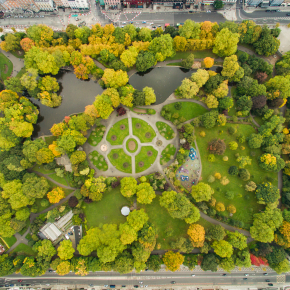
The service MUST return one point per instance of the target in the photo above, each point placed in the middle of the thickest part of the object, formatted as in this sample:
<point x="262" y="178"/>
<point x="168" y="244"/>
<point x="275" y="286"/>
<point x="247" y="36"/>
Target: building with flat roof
<point x="78" y="4"/>
<point x="44" y="5"/>
<point x="12" y="5"/>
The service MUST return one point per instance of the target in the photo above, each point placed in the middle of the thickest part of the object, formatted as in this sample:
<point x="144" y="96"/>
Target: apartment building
<point x="60" y="3"/>
<point x="78" y="4"/>
<point x="12" y="5"/>
<point x="44" y="5"/>
<point x="137" y="3"/>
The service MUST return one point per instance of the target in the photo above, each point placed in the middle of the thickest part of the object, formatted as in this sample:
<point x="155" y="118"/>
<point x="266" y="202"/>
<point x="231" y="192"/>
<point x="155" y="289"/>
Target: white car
<point x="193" y="275"/>
<point x="151" y="23"/>
<point x="66" y="236"/>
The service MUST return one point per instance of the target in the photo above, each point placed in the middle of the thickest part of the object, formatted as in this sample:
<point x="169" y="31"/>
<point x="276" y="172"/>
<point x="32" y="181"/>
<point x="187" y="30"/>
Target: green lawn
<point x="6" y="67"/>
<point x="24" y="249"/>
<point x="10" y="241"/>
<point x="165" y="130"/>
<point x="21" y="72"/>
<point x="28" y="237"/>
<point x="96" y="135"/>
<point x="107" y="210"/>
<point x="58" y="179"/>
<point x="53" y="185"/>
<point x="189" y="110"/>
<point x="167" y="153"/>
<point x="116" y="131"/>
<point x="245" y="202"/>
<point x="197" y="54"/>
<point x="127" y="145"/>
<point x="19" y="55"/>
<point x="39" y="168"/>
<point x="25" y="228"/>
<point x="143" y="157"/>
<point x="174" y="63"/>
<point x="120" y="161"/>
<point x="160" y="217"/>
<point x="141" y="128"/>
<point x="50" y="139"/>
<point x="98" y="160"/>
<point x="259" y="120"/>
<point x="39" y="206"/>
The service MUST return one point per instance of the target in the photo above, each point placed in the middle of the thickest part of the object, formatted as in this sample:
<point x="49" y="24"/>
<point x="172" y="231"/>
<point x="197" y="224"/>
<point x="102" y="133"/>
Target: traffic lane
<point x="263" y="14"/>
<point x="149" y="17"/>
<point x="157" y="281"/>
<point x="198" y="17"/>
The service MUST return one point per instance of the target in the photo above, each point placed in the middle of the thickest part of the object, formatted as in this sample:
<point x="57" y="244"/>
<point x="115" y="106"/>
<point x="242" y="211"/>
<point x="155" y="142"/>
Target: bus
<point x="272" y="10"/>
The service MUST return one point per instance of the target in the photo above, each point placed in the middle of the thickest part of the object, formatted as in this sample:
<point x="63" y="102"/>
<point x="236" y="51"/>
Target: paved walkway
<point x="18" y="63"/>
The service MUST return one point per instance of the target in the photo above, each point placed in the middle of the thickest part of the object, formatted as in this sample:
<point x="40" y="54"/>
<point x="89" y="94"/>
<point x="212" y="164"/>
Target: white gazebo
<point x="125" y="210"/>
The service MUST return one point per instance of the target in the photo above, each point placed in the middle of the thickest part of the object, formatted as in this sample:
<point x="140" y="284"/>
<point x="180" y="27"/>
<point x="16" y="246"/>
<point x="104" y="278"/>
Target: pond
<point x="164" y="81"/>
<point x="76" y="95"/>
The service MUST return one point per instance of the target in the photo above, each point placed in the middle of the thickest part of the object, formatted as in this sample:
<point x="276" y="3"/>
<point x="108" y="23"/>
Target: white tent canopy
<point x="125" y="210"/>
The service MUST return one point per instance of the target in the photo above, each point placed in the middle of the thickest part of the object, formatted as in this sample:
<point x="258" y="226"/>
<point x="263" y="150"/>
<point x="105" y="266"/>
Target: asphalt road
<point x="150" y="278"/>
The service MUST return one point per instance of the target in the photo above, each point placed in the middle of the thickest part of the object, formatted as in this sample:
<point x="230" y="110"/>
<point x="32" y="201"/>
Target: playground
<point x="189" y="172"/>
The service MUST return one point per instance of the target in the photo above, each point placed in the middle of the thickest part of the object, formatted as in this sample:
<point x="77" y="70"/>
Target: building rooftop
<point x="50" y="231"/>
<point x="64" y="220"/>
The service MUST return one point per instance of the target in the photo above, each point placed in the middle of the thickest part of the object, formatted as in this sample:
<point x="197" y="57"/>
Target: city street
<point x="150" y="278"/>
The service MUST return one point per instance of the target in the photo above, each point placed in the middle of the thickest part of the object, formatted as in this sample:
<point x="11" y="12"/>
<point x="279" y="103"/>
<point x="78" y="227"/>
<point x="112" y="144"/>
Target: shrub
<point x="224" y="180"/>
<point x="220" y="206"/>
<point x="232" y="130"/>
<point x="211" y="158"/>
<point x="177" y="106"/>
<point x="233" y="145"/>
<point x="73" y="201"/>
<point x="44" y="202"/>
<point x="217" y="175"/>
<point x="212" y="202"/>
<point x="241" y="138"/>
<point x="217" y="146"/>
<point x="211" y="179"/>
<point x="202" y="134"/>
<point x="230" y="195"/>
<point x="225" y="158"/>
<point x="151" y="111"/>
<point x="231" y="209"/>
<point x="233" y="170"/>
<point x="250" y="186"/>
<point x="244" y="174"/>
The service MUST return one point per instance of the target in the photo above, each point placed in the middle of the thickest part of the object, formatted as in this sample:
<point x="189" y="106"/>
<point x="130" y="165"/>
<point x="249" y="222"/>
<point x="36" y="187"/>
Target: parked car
<point x="144" y="22"/>
<point x="246" y="274"/>
<point x="288" y="14"/>
<point x="172" y="282"/>
<point x="245" y="278"/>
<point x="270" y="284"/>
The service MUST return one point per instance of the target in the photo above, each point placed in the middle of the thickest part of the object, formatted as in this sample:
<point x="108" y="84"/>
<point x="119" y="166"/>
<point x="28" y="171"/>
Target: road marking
<point x="281" y="279"/>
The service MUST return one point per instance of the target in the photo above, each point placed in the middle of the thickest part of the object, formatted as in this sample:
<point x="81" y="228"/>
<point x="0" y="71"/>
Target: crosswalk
<point x="281" y="279"/>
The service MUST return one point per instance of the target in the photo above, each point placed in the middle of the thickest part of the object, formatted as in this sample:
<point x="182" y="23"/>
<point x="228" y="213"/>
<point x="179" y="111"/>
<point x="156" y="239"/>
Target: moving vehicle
<point x="144" y="22"/>
<point x="172" y="282"/>
<point x="245" y="278"/>
<point x="112" y="286"/>
<point x="193" y="275"/>
<point x="224" y="274"/>
<point x="268" y="280"/>
<point x="270" y="284"/>
<point x="265" y="274"/>
<point x="288" y="14"/>
<point x="246" y="274"/>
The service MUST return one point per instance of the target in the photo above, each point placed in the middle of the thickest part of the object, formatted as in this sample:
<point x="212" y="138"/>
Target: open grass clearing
<point x="18" y="53"/>
<point x="142" y="130"/>
<point x="162" y="220"/>
<point x="120" y="160"/>
<point x="39" y="168"/>
<point x="39" y="206"/>
<point x="96" y="135"/>
<point x="58" y="179"/>
<point x="21" y="72"/>
<point x="189" y="110"/>
<point x="147" y="156"/>
<point x="116" y="135"/>
<point x="245" y="202"/>
<point x="23" y="249"/>
<point x="49" y="139"/>
<point x="131" y="145"/>
<point x="167" y="154"/>
<point x="98" y="160"/>
<point x="9" y="241"/>
<point x="196" y="53"/>
<point x="107" y="210"/>
<point x="6" y="67"/>
<point x="53" y="185"/>
<point x="165" y="130"/>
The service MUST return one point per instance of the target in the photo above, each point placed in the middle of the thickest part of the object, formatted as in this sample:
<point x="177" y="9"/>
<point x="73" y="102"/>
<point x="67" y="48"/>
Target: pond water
<point x="76" y="95"/>
<point x="164" y="81"/>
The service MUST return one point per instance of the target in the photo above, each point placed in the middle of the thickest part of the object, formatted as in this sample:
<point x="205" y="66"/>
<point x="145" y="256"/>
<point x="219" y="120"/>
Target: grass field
<point x="165" y="130"/>
<point x="10" y="241"/>
<point x="174" y="64"/>
<point x="6" y="67"/>
<point x="98" y="160"/>
<point x="24" y="249"/>
<point x="39" y="206"/>
<point x="120" y="160"/>
<point x="197" y="54"/>
<point x="245" y="202"/>
<point x="141" y="131"/>
<point x="259" y="120"/>
<point x="50" y="139"/>
<point x="160" y="217"/>
<point x="58" y="179"/>
<point x="147" y="160"/>
<point x="167" y="153"/>
<point x="21" y="72"/>
<point x="189" y="110"/>
<point x="19" y="55"/>
<point x="107" y="210"/>
<point x="136" y="145"/>
<point x="120" y="134"/>
<point x="96" y="135"/>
